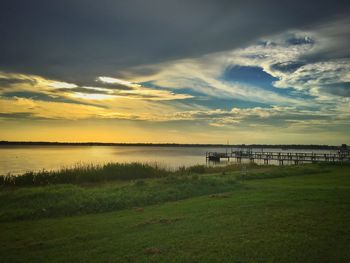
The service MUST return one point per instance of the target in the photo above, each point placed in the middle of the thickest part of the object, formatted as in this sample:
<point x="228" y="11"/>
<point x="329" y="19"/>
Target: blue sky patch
<point x="254" y="76"/>
<point x="257" y="77"/>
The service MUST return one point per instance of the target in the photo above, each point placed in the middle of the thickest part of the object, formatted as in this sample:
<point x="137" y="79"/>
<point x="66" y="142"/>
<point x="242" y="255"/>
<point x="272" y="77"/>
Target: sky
<point x="184" y="71"/>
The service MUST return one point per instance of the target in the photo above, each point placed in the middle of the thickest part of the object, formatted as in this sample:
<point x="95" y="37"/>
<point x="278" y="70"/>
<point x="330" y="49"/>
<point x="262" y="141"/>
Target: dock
<point x="281" y="157"/>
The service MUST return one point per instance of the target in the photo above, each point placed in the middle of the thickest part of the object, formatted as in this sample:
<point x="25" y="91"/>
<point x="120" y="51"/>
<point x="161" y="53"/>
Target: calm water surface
<point x="19" y="159"/>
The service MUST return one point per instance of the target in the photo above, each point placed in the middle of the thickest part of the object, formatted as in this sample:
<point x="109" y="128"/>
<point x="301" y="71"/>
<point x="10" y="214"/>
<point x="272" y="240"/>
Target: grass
<point x="291" y="214"/>
<point x="94" y="173"/>
<point x="68" y="200"/>
<point x="85" y="173"/>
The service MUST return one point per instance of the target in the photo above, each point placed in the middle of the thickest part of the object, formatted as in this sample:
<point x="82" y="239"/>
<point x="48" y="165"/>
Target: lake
<point x="19" y="159"/>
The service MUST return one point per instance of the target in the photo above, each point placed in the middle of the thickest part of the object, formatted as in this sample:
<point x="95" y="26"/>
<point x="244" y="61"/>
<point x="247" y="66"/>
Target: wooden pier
<point x="281" y="157"/>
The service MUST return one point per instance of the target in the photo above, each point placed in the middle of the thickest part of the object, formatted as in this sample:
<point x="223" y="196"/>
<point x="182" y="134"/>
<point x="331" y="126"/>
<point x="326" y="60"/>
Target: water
<point x="19" y="159"/>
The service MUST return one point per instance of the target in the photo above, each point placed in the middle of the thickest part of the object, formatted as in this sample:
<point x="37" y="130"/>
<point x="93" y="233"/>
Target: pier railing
<point x="281" y="157"/>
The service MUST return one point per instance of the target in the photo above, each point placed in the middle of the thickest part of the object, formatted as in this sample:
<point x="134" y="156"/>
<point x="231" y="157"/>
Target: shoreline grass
<point x="84" y="173"/>
<point x="81" y="173"/>
<point x="96" y="189"/>
<point x="94" y="173"/>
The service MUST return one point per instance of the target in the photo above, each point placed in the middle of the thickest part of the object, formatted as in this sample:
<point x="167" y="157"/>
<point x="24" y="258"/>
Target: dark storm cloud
<point x="336" y="46"/>
<point x="289" y="66"/>
<point x="340" y="89"/>
<point x="76" y="40"/>
<point x="300" y="41"/>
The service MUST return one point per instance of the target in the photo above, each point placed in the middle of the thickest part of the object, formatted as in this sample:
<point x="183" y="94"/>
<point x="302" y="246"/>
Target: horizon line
<point x="5" y="142"/>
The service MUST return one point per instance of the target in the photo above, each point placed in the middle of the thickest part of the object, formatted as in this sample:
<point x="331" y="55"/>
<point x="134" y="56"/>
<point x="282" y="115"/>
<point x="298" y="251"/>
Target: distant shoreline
<point x="281" y="146"/>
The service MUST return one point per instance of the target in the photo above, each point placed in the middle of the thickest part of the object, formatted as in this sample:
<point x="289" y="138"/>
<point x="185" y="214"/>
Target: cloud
<point x="287" y="66"/>
<point x="43" y="97"/>
<point x="224" y="65"/>
<point x="9" y="82"/>
<point x="39" y="109"/>
<point x="36" y="98"/>
<point x="17" y="115"/>
<point x="39" y="88"/>
<point x="340" y="89"/>
<point x="210" y="74"/>
<point x="121" y="82"/>
<point x="30" y="108"/>
<point x="333" y="38"/>
<point x="75" y="40"/>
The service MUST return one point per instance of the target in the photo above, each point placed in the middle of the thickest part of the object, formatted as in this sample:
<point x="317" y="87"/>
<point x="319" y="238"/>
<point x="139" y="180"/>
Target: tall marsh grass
<point x="95" y="173"/>
<point x="86" y="173"/>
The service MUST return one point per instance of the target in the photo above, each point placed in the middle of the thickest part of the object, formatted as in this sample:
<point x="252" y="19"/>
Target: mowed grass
<point x="294" y="214"/>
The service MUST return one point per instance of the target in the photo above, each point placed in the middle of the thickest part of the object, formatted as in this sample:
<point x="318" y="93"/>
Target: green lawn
<point x="303" y="216"/>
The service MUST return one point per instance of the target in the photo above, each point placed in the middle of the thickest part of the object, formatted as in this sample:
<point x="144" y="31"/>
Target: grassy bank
<point x="120" y="187"/>
<point x="272" y="214"/>
<point x="66" y="200"/>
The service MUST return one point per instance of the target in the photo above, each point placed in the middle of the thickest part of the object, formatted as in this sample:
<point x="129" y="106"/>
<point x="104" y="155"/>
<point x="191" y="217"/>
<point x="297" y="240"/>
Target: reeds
<point x="95" y="173"/>
<point x="86" y="173"/>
